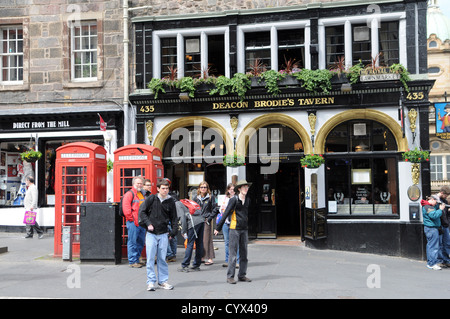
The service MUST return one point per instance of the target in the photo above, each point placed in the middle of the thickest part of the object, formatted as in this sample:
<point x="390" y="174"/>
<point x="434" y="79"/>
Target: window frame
<point x="180" y="35"/>
<point x="370" y="21"/>
<point x="74" y="50"/>
<point x="16" y="54"/>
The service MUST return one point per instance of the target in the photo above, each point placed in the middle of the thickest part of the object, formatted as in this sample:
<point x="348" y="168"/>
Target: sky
<point x="445" y="7"/>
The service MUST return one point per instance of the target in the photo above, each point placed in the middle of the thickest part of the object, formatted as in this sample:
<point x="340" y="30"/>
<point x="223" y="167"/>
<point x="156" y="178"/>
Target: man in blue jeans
<point x="136" y="234"/>
<point x="155" y="214"/>
<point x="431" y="213"/>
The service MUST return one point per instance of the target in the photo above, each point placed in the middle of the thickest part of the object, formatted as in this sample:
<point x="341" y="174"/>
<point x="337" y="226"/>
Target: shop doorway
<point x="278" y="201"/>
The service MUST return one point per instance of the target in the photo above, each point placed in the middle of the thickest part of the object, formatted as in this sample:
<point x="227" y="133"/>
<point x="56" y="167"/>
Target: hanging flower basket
<point x="30" y="156"/>
<point x="312" y="160"/>
<point x="233" y="160"/>
<point x="416" y="156"/>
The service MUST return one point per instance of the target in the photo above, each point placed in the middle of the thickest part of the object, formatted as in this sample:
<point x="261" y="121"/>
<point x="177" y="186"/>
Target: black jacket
<point x="209" y="207"/>
<point x="158" y="213"/>
<point x="238" y="212"/>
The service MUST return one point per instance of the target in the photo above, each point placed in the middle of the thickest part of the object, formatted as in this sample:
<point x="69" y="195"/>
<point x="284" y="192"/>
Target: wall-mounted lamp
<point x="184" y="96"/>
<point x="346" y="87"/>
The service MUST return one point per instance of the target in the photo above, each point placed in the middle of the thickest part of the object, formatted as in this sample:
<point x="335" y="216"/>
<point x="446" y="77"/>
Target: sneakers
<point x="165" y="285"/>
<point x="231" y="281"/>
<point x="434" y="267"/>
<point x="136" y="265"/>
<point x="40" y="236"/>
<point x="151" y="287"/>
<point x="245" y="279"/>
<point x="183" y="269"/>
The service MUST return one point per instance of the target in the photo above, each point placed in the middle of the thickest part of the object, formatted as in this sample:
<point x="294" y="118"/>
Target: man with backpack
<point x="155" y="214"/>
<point x="136" y="234"/>
<point x="192" y="228"/>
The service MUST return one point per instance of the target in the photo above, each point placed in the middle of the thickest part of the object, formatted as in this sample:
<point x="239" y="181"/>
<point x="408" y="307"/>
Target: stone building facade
<point x="61" y="71"/>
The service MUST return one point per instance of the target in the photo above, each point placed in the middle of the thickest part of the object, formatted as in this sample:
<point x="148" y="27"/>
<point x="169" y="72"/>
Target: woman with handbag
<point x="209" y="211"/>
<point x="30" y="203"/>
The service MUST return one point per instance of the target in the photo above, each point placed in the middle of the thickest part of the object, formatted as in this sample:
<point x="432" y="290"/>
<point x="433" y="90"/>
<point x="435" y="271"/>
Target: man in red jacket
<point x="136" y="234"/>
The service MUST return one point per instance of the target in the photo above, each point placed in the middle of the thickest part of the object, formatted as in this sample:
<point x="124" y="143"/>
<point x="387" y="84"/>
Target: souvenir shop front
<point x="45" y="132"/>
<point x="364" y="193"/>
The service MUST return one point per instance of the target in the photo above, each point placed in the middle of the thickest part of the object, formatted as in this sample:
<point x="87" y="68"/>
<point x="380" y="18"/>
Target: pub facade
<point x="363" y="197"/>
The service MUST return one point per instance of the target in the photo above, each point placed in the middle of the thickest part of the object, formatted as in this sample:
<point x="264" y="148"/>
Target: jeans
<point x="172" y="246"/>
<point x="199" y="229"/>
<point x="444" y="246"/>
<point x="226" y="238"/>
<point x="135" y="242"/>
<point x="432" y="235"/>
<point x="156" y="245"/>
<point x="238" y="240"/>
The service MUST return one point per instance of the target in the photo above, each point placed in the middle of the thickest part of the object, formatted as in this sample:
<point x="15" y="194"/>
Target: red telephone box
<point x="130" y="161"/>
<point x="80" y="177"/>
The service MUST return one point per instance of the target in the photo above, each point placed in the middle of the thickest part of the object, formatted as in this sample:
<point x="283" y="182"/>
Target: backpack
<point x="121" y="204"/>
<point x="191" y="205"/>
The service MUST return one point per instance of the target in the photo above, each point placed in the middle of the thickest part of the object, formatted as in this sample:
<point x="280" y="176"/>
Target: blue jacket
<point x="431" y="215"/>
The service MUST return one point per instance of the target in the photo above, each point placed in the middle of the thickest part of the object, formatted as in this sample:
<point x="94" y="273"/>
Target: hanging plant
<point x="416" y="156"/>
<point x="312" y="160"/>
<point x="30" y="156"/>
<point x="233" y="160"/>
<point x="109" y="165"/>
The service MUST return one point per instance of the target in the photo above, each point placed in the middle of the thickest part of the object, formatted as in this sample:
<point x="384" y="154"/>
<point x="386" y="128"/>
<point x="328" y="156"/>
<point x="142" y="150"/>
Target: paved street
<point x="279" y="270"/>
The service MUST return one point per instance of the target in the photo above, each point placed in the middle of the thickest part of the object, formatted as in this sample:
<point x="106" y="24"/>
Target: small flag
<point x="102" y="123"/>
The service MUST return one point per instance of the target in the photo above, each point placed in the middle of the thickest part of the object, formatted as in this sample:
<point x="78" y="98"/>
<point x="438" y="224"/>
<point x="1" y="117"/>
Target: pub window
<point x="291" y="48"/>
<point x="437" y="167"/>
<point x="11" y="54"/>
<point x="168" y="57"/>
<point x="334" y="37"/>
<point x="84" y="51"/>
<point x="389" y="45"/>
<point x="361" y="170"/>
<point x="257" y="50"/>
<point x="361" y="48"/>
<point x="192" y="56"/>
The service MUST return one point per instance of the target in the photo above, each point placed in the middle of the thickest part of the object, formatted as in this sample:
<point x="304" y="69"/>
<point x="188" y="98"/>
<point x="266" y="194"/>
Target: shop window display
<point x="361" y="170"/>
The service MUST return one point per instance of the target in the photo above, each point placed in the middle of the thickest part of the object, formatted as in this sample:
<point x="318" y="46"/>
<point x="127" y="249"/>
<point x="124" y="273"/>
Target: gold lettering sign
<point x="230" y="105"/>
<point x="274" y="103"/>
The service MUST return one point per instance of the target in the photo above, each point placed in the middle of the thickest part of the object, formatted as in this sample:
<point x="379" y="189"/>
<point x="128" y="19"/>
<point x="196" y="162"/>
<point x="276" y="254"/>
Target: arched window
<point x="361" y="170"/>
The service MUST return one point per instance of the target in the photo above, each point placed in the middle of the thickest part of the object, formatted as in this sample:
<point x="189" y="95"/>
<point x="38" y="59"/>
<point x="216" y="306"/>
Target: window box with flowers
<point x="416" y="157"/>
<point x="233" y="160"/>
<point x="312" y="160"/>
<point x="30" y="156"/>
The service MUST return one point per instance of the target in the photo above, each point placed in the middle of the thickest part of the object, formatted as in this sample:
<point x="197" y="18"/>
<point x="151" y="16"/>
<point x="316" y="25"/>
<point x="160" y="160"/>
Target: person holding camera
<point x="431" y="212"/>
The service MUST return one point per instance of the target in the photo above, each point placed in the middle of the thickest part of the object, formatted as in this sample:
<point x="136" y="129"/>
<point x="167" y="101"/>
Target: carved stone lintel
<point x="149" y="127"/>
<point x="412" y="115"/>
<point x="234" y="124"/>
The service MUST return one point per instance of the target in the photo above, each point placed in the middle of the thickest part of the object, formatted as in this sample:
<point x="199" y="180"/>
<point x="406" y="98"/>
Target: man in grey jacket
<point x="30" y="203"/>
<point x="192" y="228"/>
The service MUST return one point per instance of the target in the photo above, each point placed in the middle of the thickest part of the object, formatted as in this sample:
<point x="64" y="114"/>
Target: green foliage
<point x="186" y="84"/>
<point x="404" y="74"/>
<point x="109" y="165"/>
<point x="317" y="81"/>
<point x="156" y="85"/>
<point x="312" y="160"/>
<point x="354" y="72"/>
<point x="233" y="160"/>
<point x="416" y="156"/>
<point x="272" y="78"/>
<point x="30" y="156"/>
<point x="238" y="84"/>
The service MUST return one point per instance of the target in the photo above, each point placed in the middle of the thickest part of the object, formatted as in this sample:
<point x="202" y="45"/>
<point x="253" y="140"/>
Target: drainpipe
<point x="126" y="109"/>
<point x="126" y="78"/>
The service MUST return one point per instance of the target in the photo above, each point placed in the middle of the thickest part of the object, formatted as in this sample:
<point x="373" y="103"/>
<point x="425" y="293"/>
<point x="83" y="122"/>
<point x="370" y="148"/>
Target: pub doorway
<point x="277" y="201"/>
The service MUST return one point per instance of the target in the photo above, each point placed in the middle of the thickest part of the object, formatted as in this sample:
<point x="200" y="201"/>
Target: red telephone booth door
<point x="80" y="177"/>
<point x="130" y="161"/>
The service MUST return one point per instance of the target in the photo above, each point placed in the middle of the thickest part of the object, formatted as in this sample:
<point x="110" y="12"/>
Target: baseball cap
<point x="438" y="200"/>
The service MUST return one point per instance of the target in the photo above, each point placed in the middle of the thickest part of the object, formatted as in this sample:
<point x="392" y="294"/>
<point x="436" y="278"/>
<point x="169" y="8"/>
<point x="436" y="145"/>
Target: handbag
<point x="29" y="218"/>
